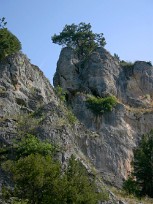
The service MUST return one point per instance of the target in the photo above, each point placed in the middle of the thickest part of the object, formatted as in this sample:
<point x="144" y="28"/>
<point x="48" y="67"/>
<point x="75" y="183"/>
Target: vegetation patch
<point x="130" y="198"/>
<point x="126" y="64"/>
<point x="26" y="124"/>
<point x="101" y="105"/>
<point x="9" y="43"/>
<point x="61" y="94"/>
<point x="140" y="182"/>
<point x="40" y="179"/>
<point x="71" y="117"/>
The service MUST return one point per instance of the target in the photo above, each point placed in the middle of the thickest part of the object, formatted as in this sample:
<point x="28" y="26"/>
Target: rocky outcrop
<point x="98" y="76"/>
<point x="23" y="87"/>
<point x="120" y="130"/>
<point x="103" y="75"/>
<point x="103" y="143"/>
<point x="136" y="84"/>
<point x="25" y="92"/>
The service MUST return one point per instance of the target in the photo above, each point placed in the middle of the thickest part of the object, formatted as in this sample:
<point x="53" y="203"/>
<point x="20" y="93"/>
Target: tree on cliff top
<point x="80" y="38"/>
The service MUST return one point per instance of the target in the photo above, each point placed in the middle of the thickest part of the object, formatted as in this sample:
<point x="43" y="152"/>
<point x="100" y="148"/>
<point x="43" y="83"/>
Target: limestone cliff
<point x="103" y="143"/>
<point x="25" y="91"/>
<point x="121" y="129"/>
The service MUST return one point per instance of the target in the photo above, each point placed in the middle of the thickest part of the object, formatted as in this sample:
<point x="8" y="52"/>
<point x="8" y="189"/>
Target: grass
<point x="139" y="110"/>
<point x="71" y="117"/>
<point x="130" y="199"/>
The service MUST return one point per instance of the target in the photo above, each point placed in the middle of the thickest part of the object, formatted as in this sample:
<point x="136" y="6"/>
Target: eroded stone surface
<point x="24" y="90"/>
<point x="119" y="130"/>
<point x="104" y="143"/>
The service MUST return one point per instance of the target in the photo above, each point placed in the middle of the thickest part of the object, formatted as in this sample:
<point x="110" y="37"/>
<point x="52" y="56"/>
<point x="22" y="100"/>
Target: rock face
<point x="99" y="75"/>
<point x="25" y="92"/>
<point x="103" y="143"/>
<point x="121" y="129"/>
<point x="23" y="87"/>
<point x="102" y="75"/>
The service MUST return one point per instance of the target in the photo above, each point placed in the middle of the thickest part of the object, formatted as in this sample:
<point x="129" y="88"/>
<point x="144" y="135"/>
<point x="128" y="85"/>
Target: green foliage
<point x="7" y="196"/>
<point x="39" y="179"/>
<point x="80" y="38"/>
<point x="9" y="43"/>
<point x="62" y="96"/>
<point x="101" y="105"/>
<point x="32" y="145"/>
<point x="143" y="166"/>
<point x="29" y="144"/>
<point x="126" y="64"/>
<point x="19" y="201"/>
<point x="80" y="188"/>
<point x="27" y="124"/>
<point x="31" y="175"/>
<point x="130" y="186"/>
<point x="60" y="93"/>
<point x="71" y="117"/>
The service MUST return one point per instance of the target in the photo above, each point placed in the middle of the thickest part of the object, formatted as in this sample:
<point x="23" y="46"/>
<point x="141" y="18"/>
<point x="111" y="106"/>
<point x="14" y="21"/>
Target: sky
<point x="127" y="26"/>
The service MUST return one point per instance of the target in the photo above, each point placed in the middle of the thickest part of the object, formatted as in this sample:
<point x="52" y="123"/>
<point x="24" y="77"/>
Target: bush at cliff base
<point x="9" y="43"/>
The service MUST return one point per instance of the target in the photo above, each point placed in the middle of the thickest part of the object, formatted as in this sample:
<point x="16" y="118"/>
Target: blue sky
<point x="127" y="26"/>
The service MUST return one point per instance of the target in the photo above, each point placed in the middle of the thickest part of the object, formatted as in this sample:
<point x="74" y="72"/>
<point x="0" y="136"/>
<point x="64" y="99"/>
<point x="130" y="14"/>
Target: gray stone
<point x="120" y="130"/>
<point x="28" y="91"/>
<point x="104" y="143"/>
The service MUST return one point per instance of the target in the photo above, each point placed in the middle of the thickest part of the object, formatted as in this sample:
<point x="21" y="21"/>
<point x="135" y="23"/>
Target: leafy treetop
<point x="80" y="38"/>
